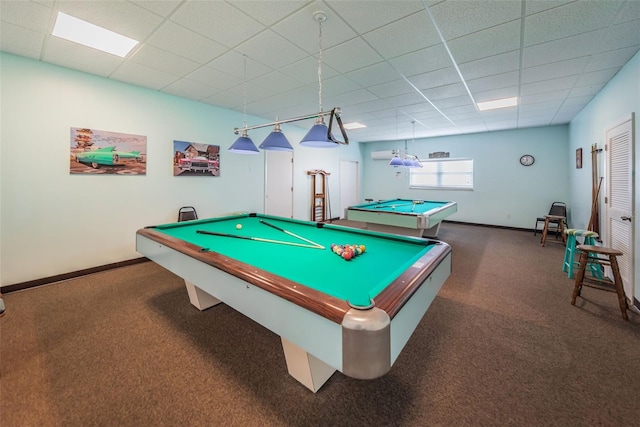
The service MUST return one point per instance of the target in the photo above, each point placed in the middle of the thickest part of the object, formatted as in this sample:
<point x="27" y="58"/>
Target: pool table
<point x="421" y="218"/>
<point x="354" y="316"/>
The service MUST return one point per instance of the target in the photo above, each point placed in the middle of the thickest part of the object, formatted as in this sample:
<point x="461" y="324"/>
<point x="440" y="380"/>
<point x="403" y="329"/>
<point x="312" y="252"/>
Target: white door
<point x="620" y="199"/>
<point x="278" y="183"/>
<point x="349" y="186"/>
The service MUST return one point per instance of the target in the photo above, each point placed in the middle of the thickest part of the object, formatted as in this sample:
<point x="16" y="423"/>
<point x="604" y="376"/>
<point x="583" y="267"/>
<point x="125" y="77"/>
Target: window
<point x="447" y="174"/>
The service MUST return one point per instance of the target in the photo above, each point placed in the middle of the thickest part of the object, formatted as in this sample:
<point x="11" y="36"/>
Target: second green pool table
<point x="421" y="218"/>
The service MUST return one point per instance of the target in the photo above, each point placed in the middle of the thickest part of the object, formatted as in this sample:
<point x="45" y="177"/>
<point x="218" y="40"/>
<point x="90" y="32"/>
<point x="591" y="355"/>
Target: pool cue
<point x="594" y="208"/>
<point x="292" y="234"/>
<point x="258" y="239"/>
<point x="416" y="202"/>
<point x="396" y="205"/>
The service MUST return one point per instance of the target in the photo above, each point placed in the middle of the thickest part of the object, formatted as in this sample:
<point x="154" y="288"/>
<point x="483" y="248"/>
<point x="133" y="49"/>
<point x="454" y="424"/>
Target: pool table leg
<point x="307" y="369"/>
<point x="200" y="298"/>
<point x="432" y="232"/>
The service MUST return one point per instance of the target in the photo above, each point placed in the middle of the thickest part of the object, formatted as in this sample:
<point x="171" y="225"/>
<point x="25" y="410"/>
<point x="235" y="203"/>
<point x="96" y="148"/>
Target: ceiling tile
<point x="569" y="20"/>
<point x="409" y="34"/>
<point x="350" y="56"/>
<point x="376" y="14"/>
<point x="306" y="71"/>
<point x="374" y="74"/>
<point x="621" y="36"/>
<point x="459" y="18"/>
<point x="162" y="8"/>
<point x="609" y="59"/>
<point x="81" y="58"/>
<point x="302" y="29"/>
<point x="571" y="67"/>
<point x="20" y="40"/>
<point x="214" y="78"/>
<point x="280" y="52"/>
<point x="238" y="65"/>
<point x="496" y="81"/>
<point x="29" y="15"/>
<point x="217" y="21"/>
<point x="562" y="49"/>
<point x="442" y="77"/>
<point x="552" y="85"/>
<point x="496" y="64"/>
<point x="143" y="76"/>
<point x="267" y="12"/>
<point x="164" y="61"/>
<point x="489" y="42"/>
<point x="190" y="89"/>
<point x="602" y="76"/>
<point x="186" y="43"/>
<point x="422" y="61"/>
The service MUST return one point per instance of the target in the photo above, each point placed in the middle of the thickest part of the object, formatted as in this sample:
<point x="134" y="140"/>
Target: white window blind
<point x="449" y="174"/>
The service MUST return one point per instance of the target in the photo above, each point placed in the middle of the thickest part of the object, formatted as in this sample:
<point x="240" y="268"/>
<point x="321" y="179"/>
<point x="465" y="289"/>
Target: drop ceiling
<point x="403" y="68"/>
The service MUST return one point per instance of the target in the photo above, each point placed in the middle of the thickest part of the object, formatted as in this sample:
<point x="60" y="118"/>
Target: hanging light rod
<point x="279" y="122"/>
<point x="334" y="113"/>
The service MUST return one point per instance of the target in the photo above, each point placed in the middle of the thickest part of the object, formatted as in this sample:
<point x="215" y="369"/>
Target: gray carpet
<point x="500" y="345"/>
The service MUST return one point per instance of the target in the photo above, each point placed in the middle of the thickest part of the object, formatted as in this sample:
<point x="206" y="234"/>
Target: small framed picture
<point x="579" y="158"/>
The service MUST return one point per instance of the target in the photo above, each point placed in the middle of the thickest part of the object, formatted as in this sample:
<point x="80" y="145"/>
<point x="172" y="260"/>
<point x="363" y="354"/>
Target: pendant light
<point x="318" y="136"/>
<point x="276" y="141"/>
<point x="396" y="161"/>
<point x="244" y="144"/>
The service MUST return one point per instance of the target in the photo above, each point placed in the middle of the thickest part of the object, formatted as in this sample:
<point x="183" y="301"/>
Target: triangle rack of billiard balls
<point x="347" y="252"/>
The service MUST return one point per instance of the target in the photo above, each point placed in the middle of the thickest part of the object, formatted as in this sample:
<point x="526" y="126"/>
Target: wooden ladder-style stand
<point x="319" y="195"/>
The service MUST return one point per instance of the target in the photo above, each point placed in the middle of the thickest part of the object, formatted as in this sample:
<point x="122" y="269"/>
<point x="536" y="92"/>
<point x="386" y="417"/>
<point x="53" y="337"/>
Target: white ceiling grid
<point x="385" y="63"/>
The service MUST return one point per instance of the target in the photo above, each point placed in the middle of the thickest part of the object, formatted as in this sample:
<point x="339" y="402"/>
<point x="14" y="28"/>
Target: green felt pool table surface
<point x="405" y="206"/>
<point x="357" y="281"/>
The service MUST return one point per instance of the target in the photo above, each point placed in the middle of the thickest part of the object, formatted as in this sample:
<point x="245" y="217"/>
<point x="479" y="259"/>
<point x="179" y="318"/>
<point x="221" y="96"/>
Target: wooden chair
<point x="557" y="209"/>
<point x="187" y="213"/>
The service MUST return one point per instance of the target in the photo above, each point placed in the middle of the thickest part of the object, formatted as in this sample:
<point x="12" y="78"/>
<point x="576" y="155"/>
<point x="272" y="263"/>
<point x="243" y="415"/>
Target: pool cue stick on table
<point x="292" y="234"/>
<point x="258" y="239"/>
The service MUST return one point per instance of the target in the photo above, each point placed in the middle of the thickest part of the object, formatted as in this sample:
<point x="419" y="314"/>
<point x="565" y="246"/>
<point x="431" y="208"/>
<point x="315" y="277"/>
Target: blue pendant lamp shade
<point x="318" y="136"/>
<point x="276" y="141"/>
<point x="244" y="145"/>
<point x="407" y="162"/>
<point x="396" y="161"/>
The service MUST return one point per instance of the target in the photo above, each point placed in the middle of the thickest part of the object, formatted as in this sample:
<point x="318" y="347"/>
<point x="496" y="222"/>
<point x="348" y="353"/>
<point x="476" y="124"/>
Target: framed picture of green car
<point x="100" y="152"/>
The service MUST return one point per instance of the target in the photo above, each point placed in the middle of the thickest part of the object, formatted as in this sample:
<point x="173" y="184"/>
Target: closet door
<point x="620" y="198"/>
<point x="278" y="183"/>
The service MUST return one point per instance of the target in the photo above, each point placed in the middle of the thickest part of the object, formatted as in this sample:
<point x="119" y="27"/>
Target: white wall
<point x="53" y="223"/>
<point x="612" y="104"/>
<point x="505" y="193"/>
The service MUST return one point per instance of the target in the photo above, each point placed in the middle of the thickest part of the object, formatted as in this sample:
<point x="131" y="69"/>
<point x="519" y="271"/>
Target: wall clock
<point x="527" y="160"/>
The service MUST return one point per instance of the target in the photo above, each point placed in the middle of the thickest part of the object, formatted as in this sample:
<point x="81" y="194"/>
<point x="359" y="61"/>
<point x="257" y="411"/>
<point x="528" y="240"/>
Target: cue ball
<point x="239" y="226"/>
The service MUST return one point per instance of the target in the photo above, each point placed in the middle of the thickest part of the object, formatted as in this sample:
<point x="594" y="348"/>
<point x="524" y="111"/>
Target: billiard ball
<point x="239" y="226"/>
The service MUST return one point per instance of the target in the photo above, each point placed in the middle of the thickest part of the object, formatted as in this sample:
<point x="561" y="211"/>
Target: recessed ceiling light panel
<point x="87" y="34"/>
<point x="498" y="103"/>
<point x="354" y="125"/>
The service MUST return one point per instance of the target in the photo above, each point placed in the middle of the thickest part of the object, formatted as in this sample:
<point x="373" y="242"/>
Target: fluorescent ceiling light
<point x="498" y="103"/>
<point x="353" y="125"/>
<point x="87" y="34"/>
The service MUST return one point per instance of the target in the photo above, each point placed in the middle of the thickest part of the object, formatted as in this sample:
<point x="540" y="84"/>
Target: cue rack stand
<point x="319" y="195"/>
